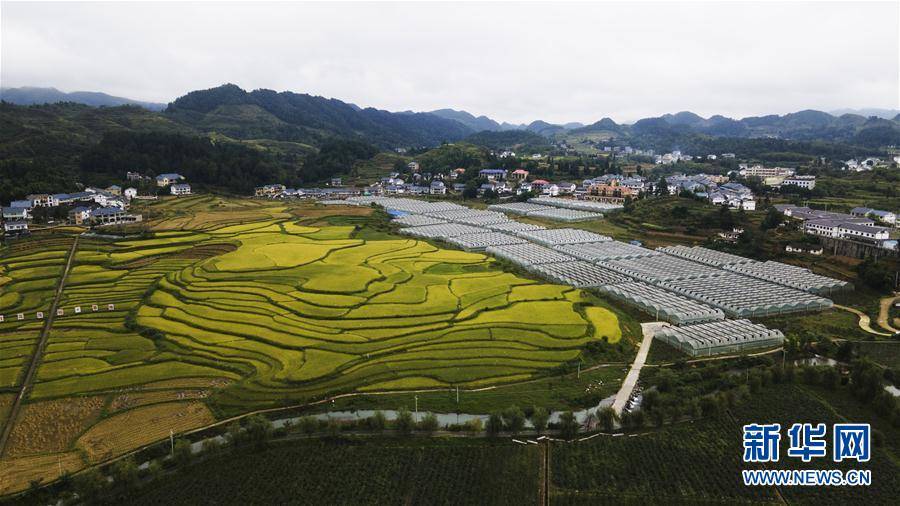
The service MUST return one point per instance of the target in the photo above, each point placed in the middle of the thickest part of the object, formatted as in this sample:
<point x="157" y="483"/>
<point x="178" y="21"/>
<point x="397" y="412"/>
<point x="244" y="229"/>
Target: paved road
<point x="865" y="322"/>
<point x="38" y="352"/>
<point x="648" y="329"/>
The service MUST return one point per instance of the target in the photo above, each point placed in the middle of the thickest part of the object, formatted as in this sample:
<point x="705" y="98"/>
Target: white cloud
<point x="513" y="62"/>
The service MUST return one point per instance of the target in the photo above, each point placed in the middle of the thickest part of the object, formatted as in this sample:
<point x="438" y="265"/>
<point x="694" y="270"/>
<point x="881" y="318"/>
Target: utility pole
<point x="172" y="441"/>
<point x="417" y="408"/>
<point x="457" y="395"/>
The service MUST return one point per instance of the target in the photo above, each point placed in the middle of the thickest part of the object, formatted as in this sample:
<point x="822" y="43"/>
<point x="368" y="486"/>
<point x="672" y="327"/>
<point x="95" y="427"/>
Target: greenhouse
<point x="514" y="226"/>
<point x="743" y="296"/>
<point x="653" y="269"/>
<point x="528" y="254"/>
<point x="478" y="242"/>
<point x="579" y="274"/>
<point x="662" y="304"/>
<point x="520" y="208"/>
<point x="580" y="205"/>
<point x="406" y="205"/>
<point x="454" y="214"/>
<point x="790" y="275"/>
<point x="417" y="220"/>
<point x="607" y="250"/>
<point x="442" y="231"/>
<point x="482" y="219"/>
<point x="559" y="236"/>
<point x="558" y="214"/>
<point x="704" y="255"/>
<point x="716" y="338"/>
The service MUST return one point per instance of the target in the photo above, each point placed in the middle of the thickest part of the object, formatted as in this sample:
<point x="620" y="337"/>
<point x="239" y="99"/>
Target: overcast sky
<point x="512" y="62"/>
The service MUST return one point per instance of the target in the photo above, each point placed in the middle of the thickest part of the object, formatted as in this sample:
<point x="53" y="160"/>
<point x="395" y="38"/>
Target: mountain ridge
<point x="35" y="95"/>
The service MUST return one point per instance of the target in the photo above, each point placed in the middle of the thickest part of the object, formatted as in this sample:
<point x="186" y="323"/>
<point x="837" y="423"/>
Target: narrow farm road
<point x="648" y="329"/>
<point x="865" y="322"/>
<point x="38" y="352"/>
<point x="884" y="313"/>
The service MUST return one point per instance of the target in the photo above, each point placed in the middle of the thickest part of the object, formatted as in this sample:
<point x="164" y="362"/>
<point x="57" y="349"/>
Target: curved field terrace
<point x="255" y="307"/>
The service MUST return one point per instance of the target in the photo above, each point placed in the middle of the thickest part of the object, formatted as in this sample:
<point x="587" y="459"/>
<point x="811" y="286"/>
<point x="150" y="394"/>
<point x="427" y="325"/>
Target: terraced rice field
<point x="229" y="307"/>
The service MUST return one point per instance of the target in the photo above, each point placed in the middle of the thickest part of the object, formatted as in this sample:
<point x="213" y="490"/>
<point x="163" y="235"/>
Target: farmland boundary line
<point x="38" y="352"/>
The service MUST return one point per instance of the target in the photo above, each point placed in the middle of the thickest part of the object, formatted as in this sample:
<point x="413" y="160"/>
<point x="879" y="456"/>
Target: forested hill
<point x="306" y="118"/>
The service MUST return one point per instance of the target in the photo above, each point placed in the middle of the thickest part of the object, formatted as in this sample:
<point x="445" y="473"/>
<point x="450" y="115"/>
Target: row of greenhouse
<point x="716" y="338"/>
<point x="547" y="212"/>
<point x="687" y="286"/>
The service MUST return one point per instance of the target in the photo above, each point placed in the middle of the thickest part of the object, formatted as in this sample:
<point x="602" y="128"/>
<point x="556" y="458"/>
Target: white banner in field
<point x="77" y="309"/>
<point x="40" y="315"/>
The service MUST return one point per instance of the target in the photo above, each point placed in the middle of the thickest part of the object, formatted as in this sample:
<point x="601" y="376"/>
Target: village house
<point x="80" y="215"/>
<point x="518" y="175"/>
<point x="16" y="213"/>
<point x="115" y="189"/>
<point x="492" y="174"/>
<point x="612" y="192"/>
<point x="269" y="190"/>
<point x="413" y="166"/>
<point x="180" y="189"/>
<point x="164" y="180"/>
<point x="130" y="193"/>
<point x="805" y="182"/>
<point x="16" y="227"/>
<point x="438" y="188"/>
<point x="867" y="212"/>
<point x="566" y="188"/>
<point x="133" y="176"/>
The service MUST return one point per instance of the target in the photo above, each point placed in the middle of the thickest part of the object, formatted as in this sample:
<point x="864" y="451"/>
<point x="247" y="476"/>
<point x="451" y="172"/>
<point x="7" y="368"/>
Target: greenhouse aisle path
<point x="648" y="329"/>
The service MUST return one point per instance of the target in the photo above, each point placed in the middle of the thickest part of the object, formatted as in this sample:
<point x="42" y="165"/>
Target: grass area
<point x="831" y="323"/>
<point x="555" y="393"/>
<point x="217" y="306"/>
<point x="363" y="471"/>
<point x="700" y="462"/>
<point x="886" y="353"/>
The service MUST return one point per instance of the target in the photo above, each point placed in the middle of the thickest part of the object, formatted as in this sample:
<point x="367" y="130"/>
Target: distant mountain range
<point x="30" y="95"/>
<point x="310" y="120"/>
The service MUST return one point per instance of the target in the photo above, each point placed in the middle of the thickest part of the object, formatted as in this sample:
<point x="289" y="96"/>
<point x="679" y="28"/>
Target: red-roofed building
<point x="519" y="175"/>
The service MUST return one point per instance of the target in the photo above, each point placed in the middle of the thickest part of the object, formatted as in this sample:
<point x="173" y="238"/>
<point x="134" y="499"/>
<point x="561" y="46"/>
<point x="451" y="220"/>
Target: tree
<point x="125" y="473"/>
<point x="772" y="220"/>
<point x="235" y="434"/>
<point x="877" y="274"/>
<point x="514" y="419"/>
<point x="494" y="424"/>
<point x="539" y="418"/>
<point x="183" y="452"/>
<point x="404" y="422"/>
<point x="309" y="425"/>
<point x="259" y="430"/>
<point x="662" y="188"/>
<point x="475" y="426"/>
<point x="607" y="418"/>
<point x="429" y="423"/>
<point x="89" y="485"/>
<point x="377" y="421"/>
<point x="568" y="425"/>
<point x="831" y="378"/>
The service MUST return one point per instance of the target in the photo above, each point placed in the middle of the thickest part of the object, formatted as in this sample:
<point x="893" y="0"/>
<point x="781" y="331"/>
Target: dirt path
<point x="884" y="313"/>
<point x="38" y="352"/>
<point x="631" y="379"/>
<point x="865" y="322"/>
